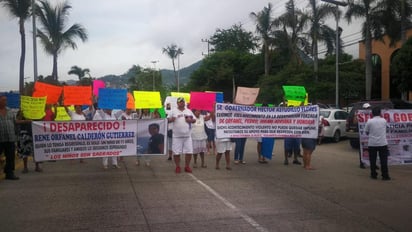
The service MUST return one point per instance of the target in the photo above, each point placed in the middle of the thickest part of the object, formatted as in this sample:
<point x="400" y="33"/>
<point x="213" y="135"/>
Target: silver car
<point x="334" y="123"/>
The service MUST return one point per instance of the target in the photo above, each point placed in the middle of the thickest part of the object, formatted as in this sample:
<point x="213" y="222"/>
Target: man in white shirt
<point x="106" y="114"/>
<point x="182" y="120"/>
<point x="375" y="128"/>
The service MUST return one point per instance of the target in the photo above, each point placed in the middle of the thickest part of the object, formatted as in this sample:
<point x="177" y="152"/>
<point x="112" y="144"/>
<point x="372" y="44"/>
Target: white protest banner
<point x="237" y="121"/>
<point x="83" y="139"/>
<point x="398" y="134"/>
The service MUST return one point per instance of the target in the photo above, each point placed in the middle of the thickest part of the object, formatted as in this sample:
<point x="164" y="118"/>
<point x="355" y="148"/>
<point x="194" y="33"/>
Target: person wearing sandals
<point x="308" y="145"/>
<point x="261" y="158"/>
<point x="239" y="150"/>
<point x="199" y="138"/>
<point x="25" y="141"/>
<point x="223" y="146"/>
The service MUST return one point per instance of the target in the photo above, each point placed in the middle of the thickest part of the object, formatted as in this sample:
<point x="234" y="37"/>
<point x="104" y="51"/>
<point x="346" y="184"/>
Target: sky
<point x="124" y="33"/>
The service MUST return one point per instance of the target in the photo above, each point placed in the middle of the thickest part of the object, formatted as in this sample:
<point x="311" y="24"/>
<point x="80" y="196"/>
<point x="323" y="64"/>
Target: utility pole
<point x="154" y="72"/>
<point x="33" y="5"/>
<point x="337" y="16"/>
<point x="208" y="46"/>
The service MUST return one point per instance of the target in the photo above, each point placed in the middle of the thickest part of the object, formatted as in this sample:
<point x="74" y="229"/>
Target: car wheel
<point x="354" y="143"/>
<point x="336" y="136"/>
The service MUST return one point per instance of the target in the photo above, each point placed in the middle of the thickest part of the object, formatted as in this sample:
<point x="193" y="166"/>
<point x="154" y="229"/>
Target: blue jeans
<point x="239" y="148"/>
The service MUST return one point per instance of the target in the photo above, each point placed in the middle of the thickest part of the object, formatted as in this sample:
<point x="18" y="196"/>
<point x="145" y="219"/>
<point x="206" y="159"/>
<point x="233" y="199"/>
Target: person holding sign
<point x="76" y="115"/>
<point x="308" y="145"/>
<point x="7" y="138"/>
<point x="375" y="128"/>
<point x="182" y="120"/>
<point x="106" y="114"/>
<point x="199" y="138"/>
<point x="25" y="141"/>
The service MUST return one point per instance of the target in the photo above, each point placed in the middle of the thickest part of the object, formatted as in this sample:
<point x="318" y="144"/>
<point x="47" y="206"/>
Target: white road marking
<point x="248" y="219"/>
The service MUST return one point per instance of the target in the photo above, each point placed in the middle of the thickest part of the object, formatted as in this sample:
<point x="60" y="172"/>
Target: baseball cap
<point x="366" y="105"/>
<point x="180" y="99"/>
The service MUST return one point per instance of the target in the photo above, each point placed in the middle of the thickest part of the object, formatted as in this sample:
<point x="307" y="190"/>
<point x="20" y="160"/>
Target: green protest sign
<point x="295" y="93"/>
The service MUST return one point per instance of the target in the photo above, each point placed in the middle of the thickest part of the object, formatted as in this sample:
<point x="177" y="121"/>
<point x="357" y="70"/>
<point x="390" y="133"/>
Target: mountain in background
<point x="121" y="81"/>
<point x="185" y="73"/>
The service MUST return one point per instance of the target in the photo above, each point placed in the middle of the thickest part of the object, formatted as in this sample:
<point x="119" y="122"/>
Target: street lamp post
<point x="178" y="70"/>
<point x="33" y="5"/>
<point x="337" y="4"/>
<point x="154" y="72"/>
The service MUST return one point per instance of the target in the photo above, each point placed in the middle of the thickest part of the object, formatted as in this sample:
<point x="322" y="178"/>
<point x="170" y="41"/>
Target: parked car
<point x="352" y="130"/>
<point x="334" y="123"/>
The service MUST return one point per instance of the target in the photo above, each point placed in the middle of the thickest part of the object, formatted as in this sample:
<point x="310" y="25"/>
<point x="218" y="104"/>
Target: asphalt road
<point x="337" y="196"/>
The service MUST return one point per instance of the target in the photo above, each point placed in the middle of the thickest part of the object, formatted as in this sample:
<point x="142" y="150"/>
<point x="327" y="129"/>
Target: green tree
<point x="264" y="28"/>
<point x="53" y="35"/>
<point x="320" y="32"/>
<point x="20" y="9"/>
<point x="292" y="24"/>
<point x="402" y="68"/>
<point x="173" y="51"/>
<point x="79" y="72"/>
<point x="224" y="71"/>
<point x="372" y="12"/>
<point x="235" y="38"/>
<point x="397" y="19"/>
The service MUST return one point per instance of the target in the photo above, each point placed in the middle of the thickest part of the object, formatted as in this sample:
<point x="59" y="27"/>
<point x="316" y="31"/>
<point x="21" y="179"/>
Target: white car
<point x="334" y="123"/>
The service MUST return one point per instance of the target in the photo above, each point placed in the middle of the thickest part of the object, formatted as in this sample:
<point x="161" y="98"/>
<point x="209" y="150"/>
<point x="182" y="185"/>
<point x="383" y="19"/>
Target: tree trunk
<point x="22" y="56"/>
<point x="315" y="58"/>
<point x="368" y="67"/>
<point x="54" y="73"/>
<point x="266" y="51"/>
<point x="174" y="71"/>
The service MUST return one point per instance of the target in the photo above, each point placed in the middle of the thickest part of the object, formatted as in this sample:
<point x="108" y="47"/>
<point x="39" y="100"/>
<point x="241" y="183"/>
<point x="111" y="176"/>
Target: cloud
<point x="128" y="32"/>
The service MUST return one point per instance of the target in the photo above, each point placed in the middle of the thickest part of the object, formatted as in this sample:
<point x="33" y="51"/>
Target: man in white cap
<point x="182" y="120"/>
<point x="365" y="106"/>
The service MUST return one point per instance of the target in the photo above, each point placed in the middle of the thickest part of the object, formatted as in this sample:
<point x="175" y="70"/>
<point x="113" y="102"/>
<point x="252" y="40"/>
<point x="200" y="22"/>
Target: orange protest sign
<point x="130" y="102"/>
<point x="77" y="95"/>
<point x="52" y="92"/>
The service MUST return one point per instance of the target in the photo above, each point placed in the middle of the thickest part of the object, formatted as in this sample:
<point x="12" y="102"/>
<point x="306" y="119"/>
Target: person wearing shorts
<point x="182" y="120"/>
<point x="292" y="146"/>
<point x="210" y="128"/>
<point x="223" y="146"/>
<point x="308" y="145"/>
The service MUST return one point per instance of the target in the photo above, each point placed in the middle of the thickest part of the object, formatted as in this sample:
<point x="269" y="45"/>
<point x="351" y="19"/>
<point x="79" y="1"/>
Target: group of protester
<point x="191" y="134"/>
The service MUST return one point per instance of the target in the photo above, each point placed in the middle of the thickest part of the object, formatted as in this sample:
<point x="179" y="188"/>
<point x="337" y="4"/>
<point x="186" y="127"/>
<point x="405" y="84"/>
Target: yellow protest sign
<point x="61" y="114"/>
<point x="186" y="96"/>
<point x="33" y="107"/>
<point x="147" y="99"/>
<point x="294" y="103"/>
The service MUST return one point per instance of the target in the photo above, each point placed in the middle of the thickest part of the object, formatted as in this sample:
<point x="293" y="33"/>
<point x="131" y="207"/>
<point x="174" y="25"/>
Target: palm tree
<point x="371" y="11"/>
<point x="263" y="21"/>
<point x="21" y="10"/>
<point x="291" y="24"/>
<point x="76" y="70"/>
<point x="173" y="52"/>
<point x="53" y="35"/>
<point x="397" y="15"/>
<point x="319" y="32"/>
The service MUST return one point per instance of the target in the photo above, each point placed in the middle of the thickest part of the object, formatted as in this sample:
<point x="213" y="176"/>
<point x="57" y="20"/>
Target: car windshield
<point x="324" y="113"/>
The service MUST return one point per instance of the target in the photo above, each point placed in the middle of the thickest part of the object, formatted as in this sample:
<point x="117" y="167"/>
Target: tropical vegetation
<point x="20" y="9"/>
<point x="283" y="50"/>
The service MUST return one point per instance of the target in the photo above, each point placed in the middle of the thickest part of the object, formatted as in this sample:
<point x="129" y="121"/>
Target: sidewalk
<point x="337" y="196"/>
